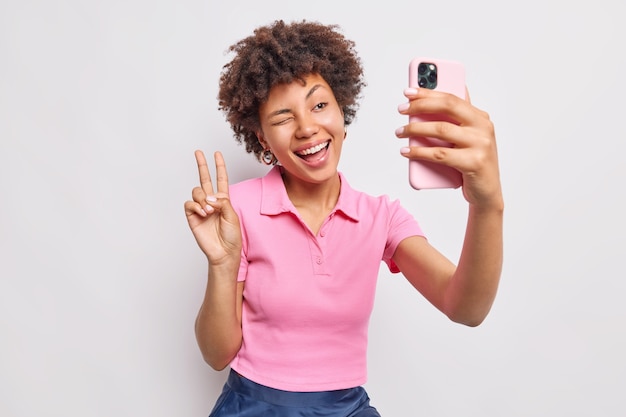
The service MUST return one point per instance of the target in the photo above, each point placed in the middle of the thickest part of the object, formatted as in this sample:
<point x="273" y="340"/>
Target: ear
<point x="259" y="136"/>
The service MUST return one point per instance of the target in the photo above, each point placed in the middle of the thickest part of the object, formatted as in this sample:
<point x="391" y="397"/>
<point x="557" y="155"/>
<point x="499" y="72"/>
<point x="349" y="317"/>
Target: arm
<point x="215" y="226"/>
<point x="465" y="292"/>
<point x="218" y="324"/>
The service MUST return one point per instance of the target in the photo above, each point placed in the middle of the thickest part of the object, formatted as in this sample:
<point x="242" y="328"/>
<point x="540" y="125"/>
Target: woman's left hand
<point x="471" y="134"/>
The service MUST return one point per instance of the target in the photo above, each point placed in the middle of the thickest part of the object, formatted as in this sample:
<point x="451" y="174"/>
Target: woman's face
<point x="302" y="124"/>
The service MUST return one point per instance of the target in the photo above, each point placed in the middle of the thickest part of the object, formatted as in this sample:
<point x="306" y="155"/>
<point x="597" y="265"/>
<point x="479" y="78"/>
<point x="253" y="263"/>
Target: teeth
<point x="314" y="149"/>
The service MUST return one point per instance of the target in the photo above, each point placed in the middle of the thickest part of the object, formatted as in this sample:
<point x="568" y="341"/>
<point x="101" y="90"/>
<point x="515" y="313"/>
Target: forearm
<point x="472" y="289"/>
<point x="218" y="324"/>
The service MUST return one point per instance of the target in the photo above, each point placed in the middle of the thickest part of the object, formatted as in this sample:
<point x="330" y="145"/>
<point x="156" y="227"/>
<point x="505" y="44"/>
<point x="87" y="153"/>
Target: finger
<point x="220" y="172"/>
<point x="439" y="105"/>
<point x="445" y="131"/>
<point x="206" y="202"/>
<point x="448" y="107"/>
<point x="203" y="171"/>
<point x="192" y="207"/>
<point x="440" y="154"/>
<point x="198" y="195"/>
<point x="449" y="132"/>
<point x="450" y="157"/>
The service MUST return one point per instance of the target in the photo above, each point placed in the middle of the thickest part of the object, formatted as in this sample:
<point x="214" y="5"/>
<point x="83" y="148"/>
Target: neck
<point x="322" y="195"/>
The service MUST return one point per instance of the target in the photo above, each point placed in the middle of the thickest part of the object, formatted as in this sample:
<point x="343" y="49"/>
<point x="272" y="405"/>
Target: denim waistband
<point x="260" y="392"/>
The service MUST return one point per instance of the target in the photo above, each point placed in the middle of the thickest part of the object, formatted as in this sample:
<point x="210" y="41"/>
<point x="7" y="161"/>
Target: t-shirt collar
<point x="274" y="198"/>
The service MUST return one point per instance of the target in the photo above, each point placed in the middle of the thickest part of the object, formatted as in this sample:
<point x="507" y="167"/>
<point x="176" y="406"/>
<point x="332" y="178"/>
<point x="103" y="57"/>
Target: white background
<point x="103" y="103"/>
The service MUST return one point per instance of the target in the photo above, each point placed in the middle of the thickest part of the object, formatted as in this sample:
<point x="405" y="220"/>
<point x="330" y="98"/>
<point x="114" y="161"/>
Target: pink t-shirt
<point x="308" y="299"/>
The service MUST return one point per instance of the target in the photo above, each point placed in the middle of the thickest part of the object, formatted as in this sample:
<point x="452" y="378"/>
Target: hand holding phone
<point x="440" y="75"/>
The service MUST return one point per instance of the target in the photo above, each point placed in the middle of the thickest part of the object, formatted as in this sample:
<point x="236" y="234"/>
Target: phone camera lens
<point x="427" y="75"/>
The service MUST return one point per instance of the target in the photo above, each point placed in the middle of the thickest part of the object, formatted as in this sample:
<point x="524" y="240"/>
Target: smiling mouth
<point x="308" y="153"/>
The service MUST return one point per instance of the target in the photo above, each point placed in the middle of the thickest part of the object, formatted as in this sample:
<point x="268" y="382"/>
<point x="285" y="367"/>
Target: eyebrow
<point x="312" y="90"/>
<point x="308" y="95"/>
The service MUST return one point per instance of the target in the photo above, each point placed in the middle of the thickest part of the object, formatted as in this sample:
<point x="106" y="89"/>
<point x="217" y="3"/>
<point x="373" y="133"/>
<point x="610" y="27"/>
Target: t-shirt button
<point x="318" y="260"/>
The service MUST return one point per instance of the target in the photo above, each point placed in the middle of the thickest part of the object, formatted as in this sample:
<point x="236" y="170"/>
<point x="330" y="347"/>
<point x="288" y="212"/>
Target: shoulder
<point x="364" y="203"/>
<point x="245" y="186"/>
<point x="245" y="193"/>
<point x="379" y="209"/>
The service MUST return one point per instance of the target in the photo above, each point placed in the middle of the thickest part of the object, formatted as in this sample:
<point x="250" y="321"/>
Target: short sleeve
<point x="401" y="225"/>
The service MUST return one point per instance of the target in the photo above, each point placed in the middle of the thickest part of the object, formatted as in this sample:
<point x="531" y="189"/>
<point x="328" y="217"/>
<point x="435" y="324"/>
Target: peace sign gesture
<point x="212" y="219"/>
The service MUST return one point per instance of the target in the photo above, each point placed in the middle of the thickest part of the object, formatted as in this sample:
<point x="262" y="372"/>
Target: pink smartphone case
<point x="425" y="174"/>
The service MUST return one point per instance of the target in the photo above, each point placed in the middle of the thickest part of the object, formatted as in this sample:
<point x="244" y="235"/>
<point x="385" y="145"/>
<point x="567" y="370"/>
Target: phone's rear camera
<point x="427" y="75"/>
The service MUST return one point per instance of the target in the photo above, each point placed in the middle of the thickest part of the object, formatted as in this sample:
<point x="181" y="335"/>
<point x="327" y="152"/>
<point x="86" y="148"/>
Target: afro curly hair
<point x="281" y="53"/>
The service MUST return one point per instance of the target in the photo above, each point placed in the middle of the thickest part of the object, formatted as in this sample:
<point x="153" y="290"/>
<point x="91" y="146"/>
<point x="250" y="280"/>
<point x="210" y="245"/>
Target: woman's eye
<point x="320" y="106"/>
<point x="280" y="122"/>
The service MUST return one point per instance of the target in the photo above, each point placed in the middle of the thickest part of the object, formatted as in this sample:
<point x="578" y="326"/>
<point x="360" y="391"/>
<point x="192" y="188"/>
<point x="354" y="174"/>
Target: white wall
<point x="103" y="103"/>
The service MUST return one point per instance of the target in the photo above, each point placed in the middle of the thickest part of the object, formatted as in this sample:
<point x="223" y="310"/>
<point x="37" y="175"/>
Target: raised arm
<point x="465" y="292"/>
<point x="215" y="226"/>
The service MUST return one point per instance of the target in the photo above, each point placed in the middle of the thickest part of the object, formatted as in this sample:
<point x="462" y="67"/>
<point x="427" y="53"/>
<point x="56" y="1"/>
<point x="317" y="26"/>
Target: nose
<point x="307" y="127"/>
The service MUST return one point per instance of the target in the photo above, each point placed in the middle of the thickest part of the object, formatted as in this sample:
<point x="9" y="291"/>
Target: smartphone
<point x="441" y="75"/>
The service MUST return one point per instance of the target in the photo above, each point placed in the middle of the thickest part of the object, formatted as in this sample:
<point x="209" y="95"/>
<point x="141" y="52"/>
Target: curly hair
<point x="281" y="53"/>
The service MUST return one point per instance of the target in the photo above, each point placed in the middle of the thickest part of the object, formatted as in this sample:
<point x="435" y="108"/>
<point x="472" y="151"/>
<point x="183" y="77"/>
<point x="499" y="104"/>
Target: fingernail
<point x="209" y="209"/>
<point x="403" y="107"/>
<point x="410" y="91"/>
<point x="399" y="131"/>
<point x="211" y="199"/>
<point x="405" y="150"/>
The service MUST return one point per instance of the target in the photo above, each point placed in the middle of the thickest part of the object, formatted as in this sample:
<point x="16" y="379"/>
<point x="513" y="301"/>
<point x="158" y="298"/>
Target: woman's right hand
<point x="212" y="219"/>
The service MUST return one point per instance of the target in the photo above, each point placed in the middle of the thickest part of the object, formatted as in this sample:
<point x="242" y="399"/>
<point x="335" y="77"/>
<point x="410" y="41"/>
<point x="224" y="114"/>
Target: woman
<point x="293" y="256"/>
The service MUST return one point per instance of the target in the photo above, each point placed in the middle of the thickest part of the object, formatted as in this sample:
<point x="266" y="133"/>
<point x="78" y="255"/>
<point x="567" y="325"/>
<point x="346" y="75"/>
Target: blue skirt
<point x="244" y="398"/>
